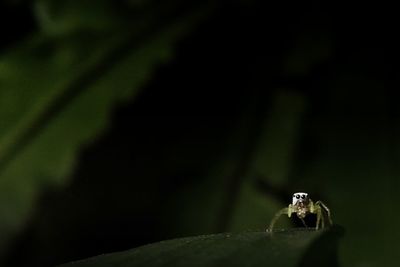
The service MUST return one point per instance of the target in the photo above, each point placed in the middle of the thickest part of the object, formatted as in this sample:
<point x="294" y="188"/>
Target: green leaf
<point x="258" y="147"/>
<point x="60" y="17"/>
<point x="294" y="247"/>
<point x="272" y="161"/>
<point x="358" y="148"/>
<point x="56" y="96"/>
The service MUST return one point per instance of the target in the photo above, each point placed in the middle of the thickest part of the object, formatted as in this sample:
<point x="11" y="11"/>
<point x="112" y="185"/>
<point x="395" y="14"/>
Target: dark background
<point x="256" y="101"/>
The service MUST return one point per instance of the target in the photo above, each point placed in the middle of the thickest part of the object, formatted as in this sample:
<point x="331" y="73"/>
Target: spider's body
<point x="301" y="206"/>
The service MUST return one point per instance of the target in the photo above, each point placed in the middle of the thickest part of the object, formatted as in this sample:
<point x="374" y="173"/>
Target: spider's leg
<point x="316" y="209"/>
<point x="304" y="223"/>
<point x="283" y="211"/>
<point x="322" y="218"/>
<point x="318" y="213"/>
<point x="328" y="212"/>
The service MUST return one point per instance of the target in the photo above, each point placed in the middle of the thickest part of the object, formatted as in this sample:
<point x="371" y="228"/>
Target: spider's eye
<point x="303" y="196"/>
<point x="297" y="196"/>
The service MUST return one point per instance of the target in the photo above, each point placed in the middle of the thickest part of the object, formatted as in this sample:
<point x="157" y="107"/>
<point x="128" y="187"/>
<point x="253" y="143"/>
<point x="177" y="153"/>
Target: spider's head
<point x="300" y="197"/>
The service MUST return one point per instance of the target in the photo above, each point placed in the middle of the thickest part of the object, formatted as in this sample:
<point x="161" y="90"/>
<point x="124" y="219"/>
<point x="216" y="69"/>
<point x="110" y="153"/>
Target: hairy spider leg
<point x="320" y="218"/>
<point x="304" y="222"/>
<point x="316" y="209"/>
<point x="288" y="211"/>
<point x="328" y="212"/>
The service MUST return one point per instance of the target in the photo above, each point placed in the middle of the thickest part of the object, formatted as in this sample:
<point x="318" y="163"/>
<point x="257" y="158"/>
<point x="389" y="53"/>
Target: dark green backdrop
<point x="128" y="122"/>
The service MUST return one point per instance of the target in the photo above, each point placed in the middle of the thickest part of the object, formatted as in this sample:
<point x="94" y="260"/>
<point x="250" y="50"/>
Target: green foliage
<point x="356" y="167"/>
<point x="312" y="116"/>
<point x="284" y="248"/>
<point x="67" y="17"/>
<point x="56" y="96"/>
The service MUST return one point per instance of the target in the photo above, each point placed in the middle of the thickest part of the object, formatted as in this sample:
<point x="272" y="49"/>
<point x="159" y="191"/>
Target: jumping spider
<point x="301" y="206"/>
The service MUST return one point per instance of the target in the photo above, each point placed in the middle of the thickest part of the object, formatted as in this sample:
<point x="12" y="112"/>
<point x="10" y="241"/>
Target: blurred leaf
<point x="288" y="248"/>
<point x="56" y="95"/>
<point x="260" y="146"/>
<point x="61" y="17"/>
<point x="310" y="50"/>
<point x="272" y="162"/>
<point x="254" y="209"/>
<point x="354" y="164"/>
<point x="220" y="186"/>
<point x="280" y="137"/>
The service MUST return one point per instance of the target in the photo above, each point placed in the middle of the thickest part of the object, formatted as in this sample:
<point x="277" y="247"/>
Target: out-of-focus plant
<point x="59" y="85"/>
